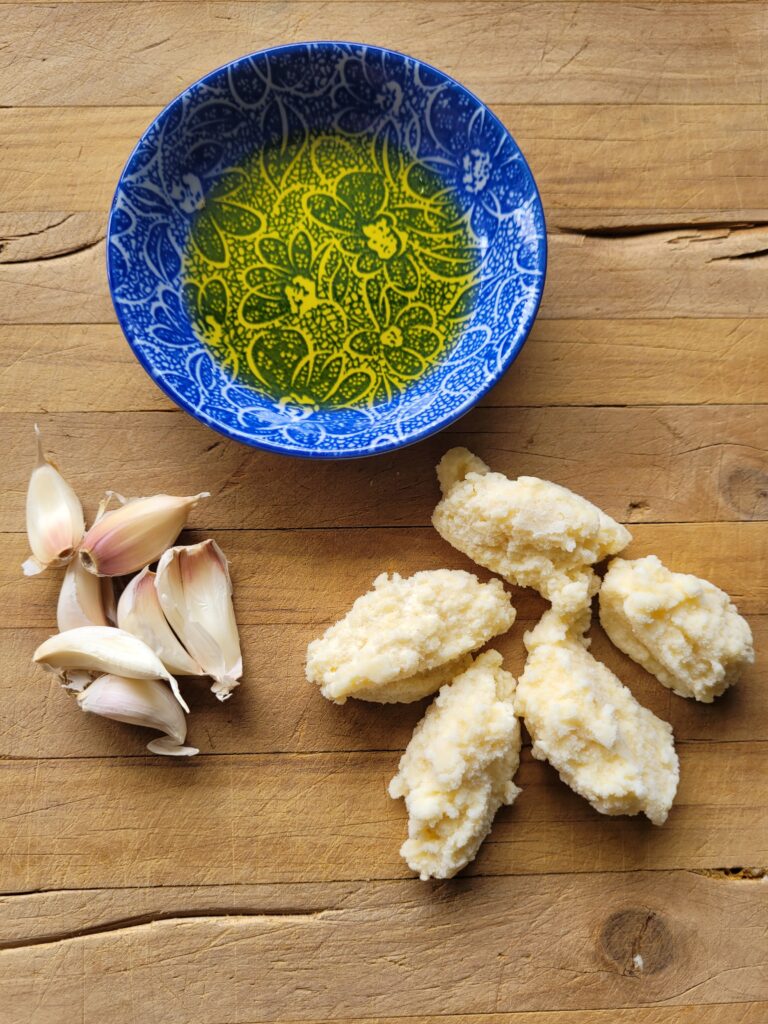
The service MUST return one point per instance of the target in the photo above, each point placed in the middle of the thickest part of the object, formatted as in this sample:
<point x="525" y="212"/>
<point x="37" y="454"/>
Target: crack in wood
<point x="738" y="874"/>
<point x="641" y="230"/>
<point x="153" y="46"/>
<point x="177" y="765"/>
<point x="172" y="917"/>
<point x="62" y="254"/>
<point x="750" y="874"/>
<point x="32" y="234"/>
<point x="754" y="255"/>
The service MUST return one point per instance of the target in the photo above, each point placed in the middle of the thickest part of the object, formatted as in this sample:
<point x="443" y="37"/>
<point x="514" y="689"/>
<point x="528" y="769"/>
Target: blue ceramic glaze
<point x="289" y="93"/>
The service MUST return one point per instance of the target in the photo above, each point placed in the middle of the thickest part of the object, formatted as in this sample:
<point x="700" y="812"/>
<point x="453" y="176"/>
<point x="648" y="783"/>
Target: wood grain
<point x="101" y="822"/>
<point x="683" y="272"/>
<point x="564" y="362"/>
<point x="497" y="50"/>
<point x="270" y="592"/>
<point x="517" y="938"/>
<point x="680" y="273"/>
<point x="656" y="157"/>
<point x="261" y="881"/>
<point x="277" y="711"/>
<point x="641" y="464"/>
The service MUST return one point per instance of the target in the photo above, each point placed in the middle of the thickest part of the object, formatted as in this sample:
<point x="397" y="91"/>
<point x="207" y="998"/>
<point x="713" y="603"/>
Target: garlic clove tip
<point x="165" y="745"/>
<point x="223" y="687"/>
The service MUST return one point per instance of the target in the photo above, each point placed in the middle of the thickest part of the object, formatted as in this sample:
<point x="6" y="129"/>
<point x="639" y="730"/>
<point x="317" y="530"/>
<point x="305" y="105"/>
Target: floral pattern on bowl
<point x="182" y="182"/>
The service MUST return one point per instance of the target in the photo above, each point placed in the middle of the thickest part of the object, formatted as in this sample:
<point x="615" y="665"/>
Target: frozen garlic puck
<point x="406" y="637"/>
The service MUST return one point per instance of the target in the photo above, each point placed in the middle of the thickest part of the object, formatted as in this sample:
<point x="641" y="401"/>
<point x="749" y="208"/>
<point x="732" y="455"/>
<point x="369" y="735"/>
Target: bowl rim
<point x="523" y="331"/>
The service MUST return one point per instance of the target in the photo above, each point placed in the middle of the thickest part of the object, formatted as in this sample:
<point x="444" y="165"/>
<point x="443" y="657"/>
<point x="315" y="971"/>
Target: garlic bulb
<point x="195" y="593"/>
<point x="80" y="599"/>
<point x="103" y="649"/>
<point x="139" y="613"/>
<point x="55" y="522"/>
<point x="129" y="538"/>
<point x="145" y="702"/>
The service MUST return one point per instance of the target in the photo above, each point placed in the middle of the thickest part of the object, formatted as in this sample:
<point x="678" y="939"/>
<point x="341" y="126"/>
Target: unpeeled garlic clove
<point x="145" y="702"/>
<point x="139" y="613"/>
<point x="103" y="649"/>
<point x="129" y="538"/>
<point x="195" y="593"/>
<point x="55" y="522"/>
<point x="80" y="599"/>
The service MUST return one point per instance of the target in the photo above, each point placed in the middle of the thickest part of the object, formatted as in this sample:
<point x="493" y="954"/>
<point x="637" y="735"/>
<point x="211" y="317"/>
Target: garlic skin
<point x="55" y="523"/>
<point x="103" y="649"/>
<point x="77" y="680"/>
<point x="127" y="539"/>
<point x="139" y="613"/>
<point x="144" y="702"/>
<point x="80" y="599"/>
<point x="195" y="592"/>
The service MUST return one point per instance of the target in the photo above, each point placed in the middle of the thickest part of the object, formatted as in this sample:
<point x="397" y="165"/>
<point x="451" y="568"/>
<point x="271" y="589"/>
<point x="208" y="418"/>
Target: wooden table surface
<point x="261" y="881"/>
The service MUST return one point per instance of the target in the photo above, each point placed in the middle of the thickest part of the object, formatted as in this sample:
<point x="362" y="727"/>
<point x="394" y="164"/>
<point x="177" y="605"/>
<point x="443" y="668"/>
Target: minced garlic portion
<point x="608" y="748"/>
<point x="457" y="770"/>
<point x="532" y="532"/>
<point x="681" y="629"/>
<point x="407" y="637"/>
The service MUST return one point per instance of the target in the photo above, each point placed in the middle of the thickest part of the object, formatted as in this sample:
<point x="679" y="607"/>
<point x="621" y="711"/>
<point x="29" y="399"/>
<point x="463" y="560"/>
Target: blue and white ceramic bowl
<point x="326" y="250"/>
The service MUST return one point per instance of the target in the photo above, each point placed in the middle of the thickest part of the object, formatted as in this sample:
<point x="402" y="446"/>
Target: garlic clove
<point x="107" y="597"/>
<point x="103" y="649"/>
<point x="139" y="613"/>
<point x="80" y="599"/>
<point x="144" y="702"/>
<point x="127" y="539"/>
<point x="195" y="593"/>
<point x="55" y="521"/>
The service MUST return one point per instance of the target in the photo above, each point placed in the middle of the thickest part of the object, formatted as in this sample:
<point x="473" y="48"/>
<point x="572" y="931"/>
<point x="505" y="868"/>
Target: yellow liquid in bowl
<point x="333" y="273"/>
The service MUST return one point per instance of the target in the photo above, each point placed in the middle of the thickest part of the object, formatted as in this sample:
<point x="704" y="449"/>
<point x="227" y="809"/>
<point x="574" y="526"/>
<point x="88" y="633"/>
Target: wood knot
<point x="746" y="489"/>
<point x="636" y="941"/>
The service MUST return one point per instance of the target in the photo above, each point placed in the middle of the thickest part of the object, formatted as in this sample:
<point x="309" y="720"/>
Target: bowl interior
<point x="326" y="249"/>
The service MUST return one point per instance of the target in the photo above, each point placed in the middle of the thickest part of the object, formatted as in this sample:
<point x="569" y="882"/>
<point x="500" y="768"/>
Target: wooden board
<point x="135" y="58"/>
<point x="261" y="881"/>
<point x="381" y="943"/>
<point x="709" y="271"/>
<point x="629" y="144"/>
<point x="42" y="365"/>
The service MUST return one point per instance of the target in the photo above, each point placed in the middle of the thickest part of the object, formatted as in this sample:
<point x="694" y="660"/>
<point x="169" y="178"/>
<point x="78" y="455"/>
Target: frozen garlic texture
<point x="681" y="629"/>
<point x="458" y="767"/>
<point x="144" y="702"/>
<point x="55" y="523"/>
<point x="102" y="649"/>
<point x="127" y="539"/>
<point x="582" y="719"/>
<point x="407" y="637"/>
<point x="139" y="613"/>
<point x="532" y="532"/>
<point x="195" y="593"/>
